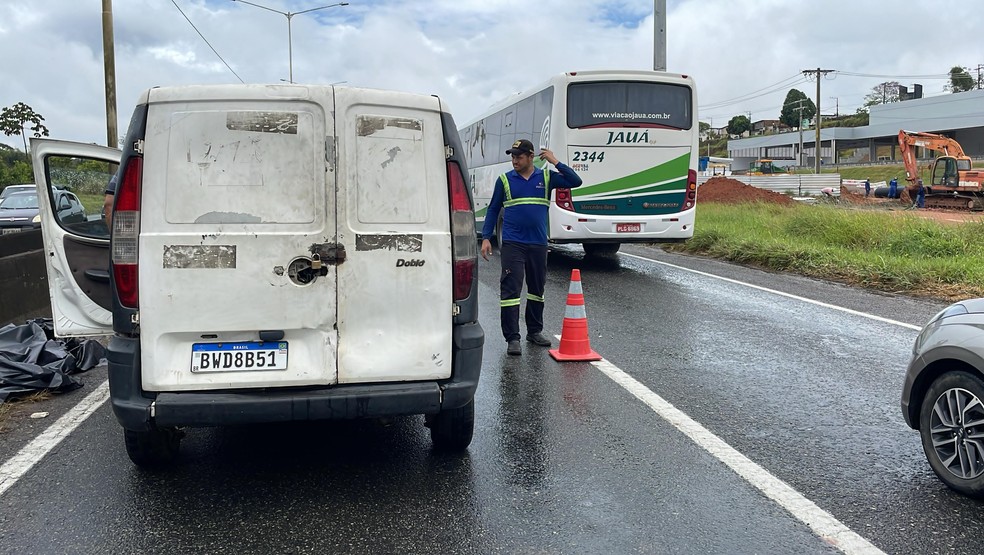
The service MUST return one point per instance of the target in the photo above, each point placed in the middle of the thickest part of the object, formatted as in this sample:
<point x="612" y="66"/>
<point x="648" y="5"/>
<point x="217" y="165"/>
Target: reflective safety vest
<point x="526" y="200"/>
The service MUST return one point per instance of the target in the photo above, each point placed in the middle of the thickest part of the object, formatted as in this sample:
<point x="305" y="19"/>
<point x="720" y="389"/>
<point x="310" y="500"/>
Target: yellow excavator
<point x="765" y="166"/>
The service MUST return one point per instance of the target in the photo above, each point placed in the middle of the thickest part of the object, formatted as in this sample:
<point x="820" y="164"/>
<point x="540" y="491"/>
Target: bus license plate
<point x="628" y="228"/>
<point x="239" y="356"/>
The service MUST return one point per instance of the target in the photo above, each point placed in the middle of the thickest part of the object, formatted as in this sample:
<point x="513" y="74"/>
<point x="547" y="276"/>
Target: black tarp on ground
<point x="31" y="359"/>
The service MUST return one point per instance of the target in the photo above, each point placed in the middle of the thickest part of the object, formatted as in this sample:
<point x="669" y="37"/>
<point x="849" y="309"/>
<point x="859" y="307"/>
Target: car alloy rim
<point x="957" y="427"/>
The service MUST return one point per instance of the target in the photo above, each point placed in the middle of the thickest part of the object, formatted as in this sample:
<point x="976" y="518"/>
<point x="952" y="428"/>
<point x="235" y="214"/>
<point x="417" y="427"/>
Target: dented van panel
<point x="248" y="174"/>
<point x="394" y="319"/>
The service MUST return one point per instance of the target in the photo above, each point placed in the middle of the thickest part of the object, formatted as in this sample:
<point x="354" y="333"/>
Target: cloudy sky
<point x="744" y="54"/>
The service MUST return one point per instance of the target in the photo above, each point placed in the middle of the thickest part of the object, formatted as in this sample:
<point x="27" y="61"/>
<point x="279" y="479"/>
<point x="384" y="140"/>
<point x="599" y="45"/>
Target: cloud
<point x="472" y="53"/>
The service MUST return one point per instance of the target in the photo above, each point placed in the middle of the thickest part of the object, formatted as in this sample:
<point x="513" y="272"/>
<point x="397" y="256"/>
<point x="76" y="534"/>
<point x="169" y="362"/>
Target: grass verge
<point x="897" y="253"/>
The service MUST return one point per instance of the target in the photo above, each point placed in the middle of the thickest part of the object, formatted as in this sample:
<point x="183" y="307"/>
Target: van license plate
<point x="8" y="230"/>
<point x="628" y="228"/>
<point x="239" y="356"/>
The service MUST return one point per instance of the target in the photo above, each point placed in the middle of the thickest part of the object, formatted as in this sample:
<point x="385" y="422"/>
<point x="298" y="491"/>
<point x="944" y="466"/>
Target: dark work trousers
<point x="519" y="260"/>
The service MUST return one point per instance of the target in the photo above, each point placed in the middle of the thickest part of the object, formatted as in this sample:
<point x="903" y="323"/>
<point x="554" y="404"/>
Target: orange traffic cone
<point x="574" y="341"/>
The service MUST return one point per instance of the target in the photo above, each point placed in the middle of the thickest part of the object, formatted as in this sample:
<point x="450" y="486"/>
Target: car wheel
<point x="155" y="448"/>
<point x="452" y="429"/>
<point x="951" y="424"/>
<point x="601" y="250"/>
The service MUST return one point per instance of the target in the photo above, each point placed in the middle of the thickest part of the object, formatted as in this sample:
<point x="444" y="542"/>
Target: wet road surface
<point x="564" y="460"/>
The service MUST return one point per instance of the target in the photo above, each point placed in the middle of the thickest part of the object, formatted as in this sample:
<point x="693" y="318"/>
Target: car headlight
<point x="36" y="219"/>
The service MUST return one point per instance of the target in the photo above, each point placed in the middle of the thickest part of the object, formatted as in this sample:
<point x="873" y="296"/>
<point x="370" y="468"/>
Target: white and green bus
<point x="630" y="135"/>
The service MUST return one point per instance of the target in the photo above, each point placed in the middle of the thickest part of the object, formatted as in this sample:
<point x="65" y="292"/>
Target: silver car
<point x="20" y="188"/>
<point x="943" y="395"/>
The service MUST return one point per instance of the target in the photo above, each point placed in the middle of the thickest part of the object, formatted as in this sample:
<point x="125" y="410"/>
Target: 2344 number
<point x="585" y="156"/>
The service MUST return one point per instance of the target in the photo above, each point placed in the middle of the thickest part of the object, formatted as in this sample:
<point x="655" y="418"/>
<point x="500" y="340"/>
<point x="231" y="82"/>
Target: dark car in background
<point x="943" y="395"/>
<point x="19" y="211"/>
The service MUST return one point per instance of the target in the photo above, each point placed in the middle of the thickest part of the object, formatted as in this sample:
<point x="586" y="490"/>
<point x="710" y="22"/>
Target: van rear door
<point x="395" y="287"/>
<point x="76" y="246"/>
<point x="237" y="201"/>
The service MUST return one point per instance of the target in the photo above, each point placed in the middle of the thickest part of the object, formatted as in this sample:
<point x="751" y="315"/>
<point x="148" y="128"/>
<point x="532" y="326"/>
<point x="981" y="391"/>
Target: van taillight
<point x="691" y="199"/>
<point x="564" y="199"/>
<point x="463" y="242"/>
<point x="126" y="232"/>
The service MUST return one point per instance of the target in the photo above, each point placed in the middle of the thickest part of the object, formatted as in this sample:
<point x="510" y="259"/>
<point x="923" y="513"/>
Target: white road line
<point x="781" y="293"/>
<point x="823" y="524"/>
<point x="33" y="452"/>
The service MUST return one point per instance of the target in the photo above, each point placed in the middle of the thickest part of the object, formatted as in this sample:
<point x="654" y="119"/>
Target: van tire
<point x="600" y="250"/>
<point x="452" y="429"/>
<point x="155" y="448"/>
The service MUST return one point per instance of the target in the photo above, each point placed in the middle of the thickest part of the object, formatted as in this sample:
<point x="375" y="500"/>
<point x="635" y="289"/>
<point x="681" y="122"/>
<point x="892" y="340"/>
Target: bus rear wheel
<point x="600" y="250"/>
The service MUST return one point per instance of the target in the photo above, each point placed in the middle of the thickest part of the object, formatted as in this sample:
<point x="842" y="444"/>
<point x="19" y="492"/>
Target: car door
<point x="76" y="249"/>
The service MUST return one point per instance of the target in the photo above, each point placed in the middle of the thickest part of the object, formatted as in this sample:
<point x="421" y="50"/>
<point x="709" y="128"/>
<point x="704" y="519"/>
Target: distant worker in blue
<point x="920" y="194"/>
<point x="893" y="188"/>
<point x="523" y="195"/>
<point x="867" y="187"/>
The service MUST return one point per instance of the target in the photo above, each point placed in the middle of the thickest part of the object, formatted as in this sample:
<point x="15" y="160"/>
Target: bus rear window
<point x="633" y="103"/>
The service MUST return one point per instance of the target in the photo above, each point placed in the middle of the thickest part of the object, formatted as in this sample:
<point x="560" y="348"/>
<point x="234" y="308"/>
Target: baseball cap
<point x="522" y="146"/>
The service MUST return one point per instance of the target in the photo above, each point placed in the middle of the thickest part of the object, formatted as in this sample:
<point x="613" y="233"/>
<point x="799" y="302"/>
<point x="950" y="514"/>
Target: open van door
<point x="76" y="241"/>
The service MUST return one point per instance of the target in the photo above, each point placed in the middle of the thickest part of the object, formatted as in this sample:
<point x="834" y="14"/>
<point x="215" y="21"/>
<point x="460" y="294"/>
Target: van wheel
<point x="452" y="429"/>
<point x="155" y="448"/>
<point x="601" y="250"/>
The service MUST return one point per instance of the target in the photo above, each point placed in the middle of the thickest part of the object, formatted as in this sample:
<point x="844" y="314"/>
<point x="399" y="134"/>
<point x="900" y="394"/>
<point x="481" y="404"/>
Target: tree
<point x="738" y="125"/>
<point x="960" y="80"/>
<point x="14" y="118"/>
<point x="790" y="114"/>
<point x="883" y="93"/>
<point x="703" y="127"/>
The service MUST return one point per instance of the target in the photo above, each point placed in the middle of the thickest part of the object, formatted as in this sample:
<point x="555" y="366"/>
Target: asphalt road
<point x="564" y="460"/>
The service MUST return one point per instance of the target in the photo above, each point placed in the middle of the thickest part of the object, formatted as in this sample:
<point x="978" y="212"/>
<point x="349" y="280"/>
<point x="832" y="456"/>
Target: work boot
<point x="538" y="339"/>
<point x="513" y="347"/>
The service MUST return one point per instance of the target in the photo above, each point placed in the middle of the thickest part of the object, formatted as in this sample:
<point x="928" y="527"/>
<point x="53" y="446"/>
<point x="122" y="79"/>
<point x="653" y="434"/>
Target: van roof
<point x="184" y="93"/>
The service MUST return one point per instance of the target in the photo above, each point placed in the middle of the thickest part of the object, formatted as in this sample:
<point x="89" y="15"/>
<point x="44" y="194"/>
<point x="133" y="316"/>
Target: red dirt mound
<point x="731" y="191"/>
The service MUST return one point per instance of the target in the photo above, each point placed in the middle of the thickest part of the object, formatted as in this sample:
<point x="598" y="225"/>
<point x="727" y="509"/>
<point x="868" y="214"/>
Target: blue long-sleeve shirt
<point x="526" y="223"/>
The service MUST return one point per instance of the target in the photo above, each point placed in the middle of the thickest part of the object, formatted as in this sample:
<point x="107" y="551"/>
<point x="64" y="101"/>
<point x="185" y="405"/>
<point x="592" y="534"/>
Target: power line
<point x="931" y="76"/>
<point x="788" y="82"/>
<point x="206" y="41"/>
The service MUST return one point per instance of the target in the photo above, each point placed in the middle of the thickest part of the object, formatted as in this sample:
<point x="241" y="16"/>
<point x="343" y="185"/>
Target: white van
<point x="278" y="253"/>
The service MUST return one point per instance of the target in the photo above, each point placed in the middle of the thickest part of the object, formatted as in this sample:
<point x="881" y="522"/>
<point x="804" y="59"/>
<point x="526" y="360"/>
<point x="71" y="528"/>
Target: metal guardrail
<point x="799" y="185"/>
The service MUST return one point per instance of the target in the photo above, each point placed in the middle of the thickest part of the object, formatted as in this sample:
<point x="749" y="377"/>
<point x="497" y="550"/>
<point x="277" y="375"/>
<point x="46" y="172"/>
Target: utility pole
<point x="818" y="73"/>
<point x="800" y="127"/>
<point x="711" y="124"/>
<point x="836" y="106"/>
<point x="109" y="69"/>
<point x="659" y="35"/>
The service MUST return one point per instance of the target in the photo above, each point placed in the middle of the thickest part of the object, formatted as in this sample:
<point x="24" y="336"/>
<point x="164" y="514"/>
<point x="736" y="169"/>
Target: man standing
<point x="920" y="194"/>
<point x="867" y="187"/>
<point x="524" y="196"/>
<point x="893" y="187"/>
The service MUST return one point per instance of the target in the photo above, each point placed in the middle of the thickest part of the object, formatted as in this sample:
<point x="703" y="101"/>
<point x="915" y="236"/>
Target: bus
<point x="630" y="135"/>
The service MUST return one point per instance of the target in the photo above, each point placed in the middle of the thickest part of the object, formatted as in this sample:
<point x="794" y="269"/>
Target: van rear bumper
<point x="139" y="410"/>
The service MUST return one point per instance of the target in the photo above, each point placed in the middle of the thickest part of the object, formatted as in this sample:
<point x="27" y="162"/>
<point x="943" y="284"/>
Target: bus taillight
<point x="564" y="199"/>
<point x="691" y="190"/>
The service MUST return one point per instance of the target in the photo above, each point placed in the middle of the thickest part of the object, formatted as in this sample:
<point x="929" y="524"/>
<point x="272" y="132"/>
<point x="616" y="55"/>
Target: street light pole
<point x="290" y="38"/>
